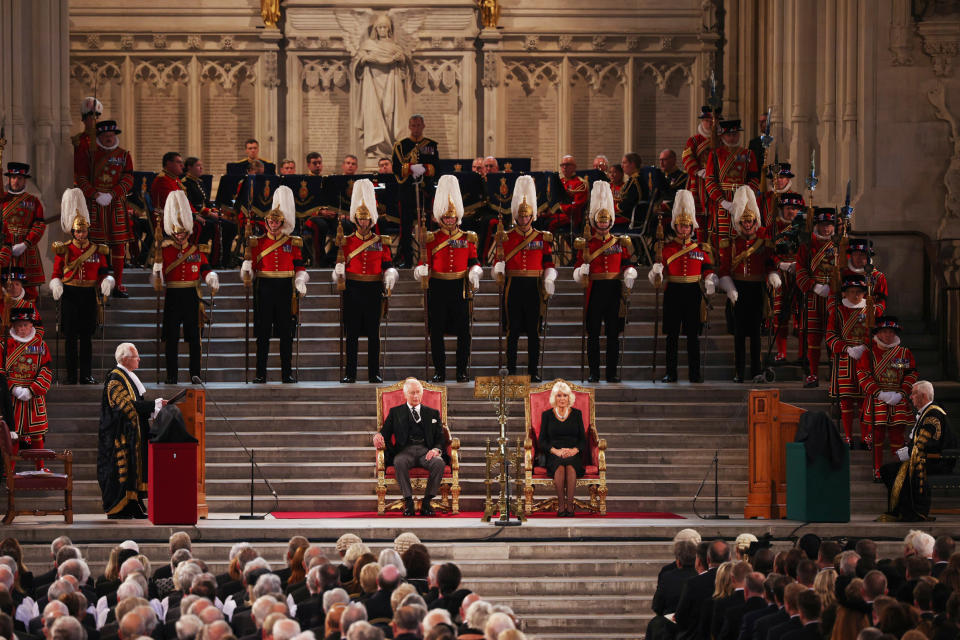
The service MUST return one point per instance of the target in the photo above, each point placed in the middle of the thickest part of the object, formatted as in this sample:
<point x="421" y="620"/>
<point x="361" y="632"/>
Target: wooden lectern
<point x="771" y="425"/>
<point x="194" y="410"/>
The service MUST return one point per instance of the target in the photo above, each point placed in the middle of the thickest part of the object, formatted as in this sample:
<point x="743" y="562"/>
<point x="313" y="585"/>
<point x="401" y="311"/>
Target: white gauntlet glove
<point x="390" y="277"/>
<point x="581" y="273"/>
<point x="18" y="249"/>
<point x="421" y="271"/>
<point x="710" y="284"/>
<point x="246" y="270"/>
<point x="629" y="277"/>
<point x="786" y="267"/>
<point x="106" y="286"/>
<point x="903" y="454"/>
<point x="300" y="282"/>
<point x="701" y="173"/>
<point x="550" y="280"/>
<point x="499" y="270"/>
<point x="822" y="290"/>
<point x="774" y="280"/>
<point x="213" y="281"/>
<point x="104" y="199"/>
<point x="726" y="283"/>
<point x="473" y="276"/>
<point x="856" y="352"/>
<point x="891" y="398"/>
<point x="339" y="272"/>
<point x="417" y="170"/>
<point x="655" y="276"/>
<point x="22" y="393"/>
<point x="726" y="204"/>
<point x="56" y="288"/>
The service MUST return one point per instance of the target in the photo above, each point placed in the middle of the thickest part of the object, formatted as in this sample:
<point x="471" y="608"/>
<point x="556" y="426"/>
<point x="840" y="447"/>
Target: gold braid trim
<point x="897" y="487"/>
<point x="118" y="396"/>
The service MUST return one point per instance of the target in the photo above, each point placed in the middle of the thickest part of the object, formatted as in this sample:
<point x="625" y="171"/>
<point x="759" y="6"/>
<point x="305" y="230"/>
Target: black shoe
<point x="88" y="380"/>
<point x="462" y="377"/>
<point x="438" y="377"/>
<point x="289" y="379"/>
<point x="409" y="509"/>
<point x="738" y="379"/>
<point x="669" y="378"/>
<point x="535" y="378"/>
<point x="593" y="378"/>
<point x="138" y="514"/>
<point x="120" y="293"/>
<point x="425" y="508"/>
<point x="613" y="379"/>
<point x="122" y="515"/>
<point x="375" y="379"/>
<point x="347" y="380"/>
<point x="260" y="380"/>
<point x="170" y="380"/>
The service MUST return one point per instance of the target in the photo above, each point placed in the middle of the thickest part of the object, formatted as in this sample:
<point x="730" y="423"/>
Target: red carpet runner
<point x="312" y="515"/>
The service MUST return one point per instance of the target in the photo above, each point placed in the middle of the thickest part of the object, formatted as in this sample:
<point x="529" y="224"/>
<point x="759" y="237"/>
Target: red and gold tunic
<point x="27" y="364"/>
<point x="789" y="277"/>
<point x="366" y="257"/>
<point x="685" y="261"/>
<point x="112" y="172"/>
<point x="184" y="266"/>
<point x="769" y="203"/>
<point x="23" y="221"/>
<point x="877" y="283"/>
<point x="608" y="256"/>
<point x="751" y="258"/>
<point x="80" y="266"/>
<point x="578" y="190"/>
<point x="727" y="169"/>
<point x="815" y="262"/>
<point x="275" y="256"/>
<point x="892" y="369"/>
<point x="162" y="186"/>
<point x="846" y="327"/>
<point x="449" y="256"/>
<point x="694" y="158"/>
<point x="527" y="254"/>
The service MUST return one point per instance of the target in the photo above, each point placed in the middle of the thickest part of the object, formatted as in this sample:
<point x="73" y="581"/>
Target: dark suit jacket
<point x="733" y="617"/>
<point x="310" y="612"/>
<point x="782" y="629"/>
<point x="695" y="603"/>
<point x="938" y="569"/>
<point x="163" y="571"/>
<point x="720" y="608"/>
<point x="378" y="605"/>
<point x="228" y="588"/>
<point x="749" y="622"/>
<point x="398" y="424"/>
<point x="809" y="631"/>
<point x="669" y="587"/>
<point x="242" y="622"/>
<point x="762" y="626"/>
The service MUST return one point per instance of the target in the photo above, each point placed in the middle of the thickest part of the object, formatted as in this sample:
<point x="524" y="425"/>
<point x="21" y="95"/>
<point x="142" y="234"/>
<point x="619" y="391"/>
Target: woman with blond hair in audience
<point x="368" y="580"/>
<point x="723" y="586"/>
<point x="824" y="585"/>
<point x="353" y="587"/>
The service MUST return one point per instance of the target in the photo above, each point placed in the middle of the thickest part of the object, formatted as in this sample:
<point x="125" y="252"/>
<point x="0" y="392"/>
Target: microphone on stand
<point x="253" y="462"/>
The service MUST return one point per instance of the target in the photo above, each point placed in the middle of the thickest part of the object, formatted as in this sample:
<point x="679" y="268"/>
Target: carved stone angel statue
<point x="382" y="68"/>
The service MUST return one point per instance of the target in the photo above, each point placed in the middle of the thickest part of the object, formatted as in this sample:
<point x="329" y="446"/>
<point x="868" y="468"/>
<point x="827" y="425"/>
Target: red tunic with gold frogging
<point x="892" y="369"/>
<point x="27" y="364"/>
<point x="846" y="327"/>
<point x="23" y="221"/>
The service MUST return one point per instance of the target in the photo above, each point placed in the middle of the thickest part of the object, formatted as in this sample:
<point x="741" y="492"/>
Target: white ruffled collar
<point x="33" y="333"/>
<point x="850" y="305"/>
<point x="884" y="345"/>
<point x="105" y="148"/>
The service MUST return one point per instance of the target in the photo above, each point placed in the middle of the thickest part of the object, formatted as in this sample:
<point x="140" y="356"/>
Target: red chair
<point x="594" y="459"/>
<point x="435" y="397"/>
<point x="35" y="481"/>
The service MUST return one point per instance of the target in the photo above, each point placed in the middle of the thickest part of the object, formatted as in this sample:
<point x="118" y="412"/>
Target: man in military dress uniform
<point x="672" y="177"/>
<point x="847" y="341"/>
<point x="26" y="366"/>
<point x="887" y="373"/>
<point x="181" y="268"/>
<point x="633" y="192"/>
<point x="728" y="167"/>
<point x="274" y="260"/>
<point x="860" y="262"/>
<point x="577" y="189"/>
<point x="527" y="260"/>
<point x="413" y="158"/>
<point x="14" y="295"/>
<point x="366" y="270"/>
<point x="105" y="177"/>
<point x="747" y="268"/>
<point x="450" y="262"/>
<point x="789" y="295"/>
<point x="79" y="267"/>
<point x="695" y="154"/>
<point x="90" y="111"/>
<point x="907" y="478"/>
<point x="687" y="262"/>
<point x="601" y="261"/>
<point x="816" y="262"/>
<point x="23" y="222"/>
<point x="217" y="230"/>
<point x="770" y="199"/>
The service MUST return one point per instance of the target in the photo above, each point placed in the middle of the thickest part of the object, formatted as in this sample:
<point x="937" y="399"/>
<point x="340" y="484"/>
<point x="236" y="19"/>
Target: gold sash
<point x="176" y="263"/>
<point x="276" y="245"/>
<point x="606" y="245"/>
<point x="679" y="254"/>
<point x="363" y="247"/>
<point x="72" y="267"/>
<point x="520" y="247"/>
<point x="752" y="249"/>
<point x="443" y="244"/>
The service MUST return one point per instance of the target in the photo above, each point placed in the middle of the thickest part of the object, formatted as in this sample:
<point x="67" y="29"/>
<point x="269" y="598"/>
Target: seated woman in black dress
<point x="563" y="440"/>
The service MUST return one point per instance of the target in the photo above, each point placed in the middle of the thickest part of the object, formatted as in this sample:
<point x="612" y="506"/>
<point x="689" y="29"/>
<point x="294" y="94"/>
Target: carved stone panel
<point x="436" y="95"/>
<point x="227" y="100"/>
<point x="326" y="110"/>
<point x="531" y="111"/>
<point x="100" y="76"/>
<point x="160" y="99"/>
<point x="662" y="108"/>
<point x="597" y="93"/>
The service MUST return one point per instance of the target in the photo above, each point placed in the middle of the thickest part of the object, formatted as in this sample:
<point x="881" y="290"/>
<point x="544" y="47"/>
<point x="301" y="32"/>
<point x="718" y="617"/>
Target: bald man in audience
<point x="378" y="605"/>
<point x="217" y="631"/>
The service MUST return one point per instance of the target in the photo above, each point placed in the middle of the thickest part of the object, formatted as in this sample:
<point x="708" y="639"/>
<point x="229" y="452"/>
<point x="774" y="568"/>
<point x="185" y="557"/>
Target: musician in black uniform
<point x="217" y="230"/>
<point x="414" y="160"/>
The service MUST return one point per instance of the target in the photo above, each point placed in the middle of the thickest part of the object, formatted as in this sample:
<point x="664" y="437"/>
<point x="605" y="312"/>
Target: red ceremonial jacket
<point x="685" y="261"/>
<point x="184" y="266"/>
<point x="27" y="364"/>
<point x="112" y="172"/>
<point x="277" y="257"/>
<point x="23" y="221"/>
<point x="892" y="369"/>
<point x="80" y="266"/>
<point x="366" y="257"/>
<point x="530" y="259"/>
<point x="450" y="255"/>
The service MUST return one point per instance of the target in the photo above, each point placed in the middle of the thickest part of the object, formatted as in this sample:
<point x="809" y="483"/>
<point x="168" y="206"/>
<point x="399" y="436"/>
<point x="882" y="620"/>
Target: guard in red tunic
<point x="695" y="154"/>
<point x="105" y="177"/>
<point x="527" y="263"/>
<point x="887" y="373"/>
<point x="450" y="262"/>
<point x="816" y="262"/>
<point x="14" y="296"/>
<point x="728" y="167"/>
<point x="743" y="276"/>
<point x="577" y="189"/>
<point x="860" y="262"/>
<point x="601" y="262"/>
<point x="23" y="226"/>
<point x="166" y="182"/>
<point x="275" y="261"/>
<point x="26" y="365"/>
<point x="181" y="268"/>
<point x="365" y="271"/>
<point x="847" y="341"/>
<point x="686" y="261"/>
<point x="80" y="272"/>
<point x="90" y="110"/>
<point x="789" y="295"/>
<point x="769" y="200"/>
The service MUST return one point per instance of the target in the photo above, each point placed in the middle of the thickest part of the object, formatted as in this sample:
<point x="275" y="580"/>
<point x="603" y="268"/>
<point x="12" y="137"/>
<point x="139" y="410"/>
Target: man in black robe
<point x="124" y="432"/>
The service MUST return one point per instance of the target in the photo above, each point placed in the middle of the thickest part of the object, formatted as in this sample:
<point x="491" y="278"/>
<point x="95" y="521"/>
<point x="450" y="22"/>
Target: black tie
<point x="416" y="414"/>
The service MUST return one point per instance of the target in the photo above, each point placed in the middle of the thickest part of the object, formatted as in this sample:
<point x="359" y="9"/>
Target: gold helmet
<point x="283" y="209"/>
<point x="177" y="215"/>
<point x="363" y="202"/>
<point x="524" y="198"/>
<point x="73" y="212"/>
<point x="601" y="203"/>
<point x="684" y="210"/>
<point x="447" y="199"/>
<point x="745" y="207"/>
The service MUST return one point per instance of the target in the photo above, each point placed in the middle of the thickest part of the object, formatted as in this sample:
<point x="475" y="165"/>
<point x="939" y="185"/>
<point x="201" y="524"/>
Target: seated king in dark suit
<point x="413" y="437"/>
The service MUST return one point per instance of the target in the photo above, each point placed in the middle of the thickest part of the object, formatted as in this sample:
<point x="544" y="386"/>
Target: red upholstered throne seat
<point x="32" y="481"/>
<point x="594" y="458"/>
<point x="435" y="397"/>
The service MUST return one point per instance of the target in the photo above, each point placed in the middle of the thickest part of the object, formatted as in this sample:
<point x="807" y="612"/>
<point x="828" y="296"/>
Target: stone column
<point x="490" y="43"/>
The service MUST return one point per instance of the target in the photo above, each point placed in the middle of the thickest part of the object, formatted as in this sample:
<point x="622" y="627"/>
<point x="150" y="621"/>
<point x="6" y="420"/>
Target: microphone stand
<point x="250" y="454"/>
<point x="716" y="515"/>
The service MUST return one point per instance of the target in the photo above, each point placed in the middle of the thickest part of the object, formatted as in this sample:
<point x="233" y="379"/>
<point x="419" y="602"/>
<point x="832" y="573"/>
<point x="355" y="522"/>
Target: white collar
<point x="414" y="407"/>
<point x="850" y="305"/>
<point x="15" y="193"/>
<point x="885" y="346"/>
<point x="854" y="269"/>
<point x="33" y="333"/>
<point x="703" y="130"/>
<point x="133" y="377"/>
<point x="115" y="145"/>
<point x="820" y="237"/>
<point x="923" y="408"/>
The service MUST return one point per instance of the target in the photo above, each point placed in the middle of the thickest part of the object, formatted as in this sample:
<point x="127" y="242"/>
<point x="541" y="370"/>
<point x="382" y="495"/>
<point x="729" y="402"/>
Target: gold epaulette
<point x="429" y="236"/>
<point x="625" y="241"/>
<point x="103" y="249"/>
<point x="59" y="248"/>
<point x="296" y="241"/>
<point x="580" y="243"/>
<point x="547" y="236"/>
<point x="205" y="248"/>
<point x="472" y="237"/>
